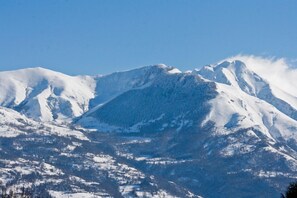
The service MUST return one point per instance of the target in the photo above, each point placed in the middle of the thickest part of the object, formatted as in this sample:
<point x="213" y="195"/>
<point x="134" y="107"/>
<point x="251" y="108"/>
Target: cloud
<point x="277" y="71"/>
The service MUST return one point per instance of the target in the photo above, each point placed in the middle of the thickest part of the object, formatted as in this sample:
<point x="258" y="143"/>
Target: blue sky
<point x="102" y="36"/>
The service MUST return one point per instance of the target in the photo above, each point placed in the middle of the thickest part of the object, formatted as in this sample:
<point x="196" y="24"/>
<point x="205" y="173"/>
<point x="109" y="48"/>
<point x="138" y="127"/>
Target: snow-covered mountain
<point x="168" y="101"/>
<point x="110" y="86"/>
<point x="247" y="100"/>
<point x="225" y="129"/>
<point x="45" y="95"/>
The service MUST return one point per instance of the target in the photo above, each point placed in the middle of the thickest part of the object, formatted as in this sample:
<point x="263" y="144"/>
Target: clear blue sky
<point x="101" y="36"/>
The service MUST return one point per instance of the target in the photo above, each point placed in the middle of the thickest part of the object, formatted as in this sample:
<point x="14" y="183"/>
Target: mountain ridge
<point x="167" y="132"/>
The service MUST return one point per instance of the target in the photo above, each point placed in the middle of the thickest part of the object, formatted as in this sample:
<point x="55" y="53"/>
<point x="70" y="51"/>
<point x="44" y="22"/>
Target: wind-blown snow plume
<point x="277" y="71"/>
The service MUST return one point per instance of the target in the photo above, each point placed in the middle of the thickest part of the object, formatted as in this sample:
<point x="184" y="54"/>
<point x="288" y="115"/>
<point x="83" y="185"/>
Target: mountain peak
<point x="45" y="95"/>
<point x="32" y="74"/>
<point x="225" y="115"/>
<point x="234" y="64"/>
<point x="163" y="67"/>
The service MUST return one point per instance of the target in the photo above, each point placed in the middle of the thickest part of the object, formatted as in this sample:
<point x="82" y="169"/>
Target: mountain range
<point x="224" y="130"/>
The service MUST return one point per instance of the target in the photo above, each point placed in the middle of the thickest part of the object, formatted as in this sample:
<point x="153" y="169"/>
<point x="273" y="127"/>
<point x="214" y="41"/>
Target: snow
<point x="237" y="149"/>
<point x="252" y="110"/>
<point x="44" y="92"/>
<point x="59" y="194"/>
<point x="238" y="105"/>
<point x="278" y="72"/>
<point x="13" y="124"/>
<point x="174" y="71"/>
<point x="126" y="176"/>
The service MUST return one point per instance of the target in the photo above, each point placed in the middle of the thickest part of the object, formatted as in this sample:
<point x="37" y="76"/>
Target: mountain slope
<point x="65" y="161"/>
<point x="225" y="129"/>
<point x="45" y="95"/>
<point x="246" y="100"/>
<point x="170" y="101"/>
<point x="14" y="124"/>
<point x="224" y="112"/>
<point x="112" y="85"/>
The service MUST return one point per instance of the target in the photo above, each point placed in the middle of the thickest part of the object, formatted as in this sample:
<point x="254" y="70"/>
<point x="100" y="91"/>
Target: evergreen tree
<point x="291" y="191"/>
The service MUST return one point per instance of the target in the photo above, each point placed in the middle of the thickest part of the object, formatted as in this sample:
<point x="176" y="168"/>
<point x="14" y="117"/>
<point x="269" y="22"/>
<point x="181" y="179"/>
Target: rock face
<point x="225" y="129"/>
